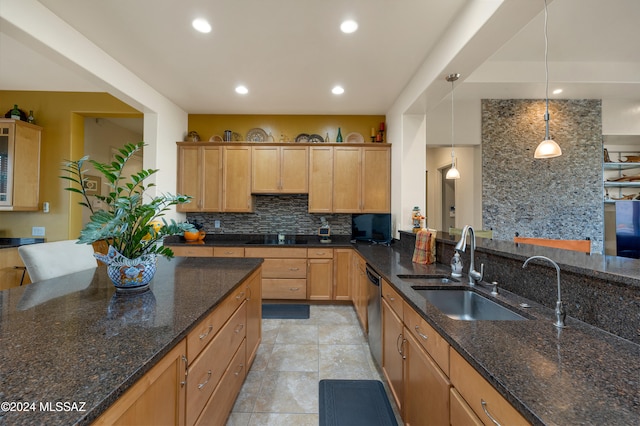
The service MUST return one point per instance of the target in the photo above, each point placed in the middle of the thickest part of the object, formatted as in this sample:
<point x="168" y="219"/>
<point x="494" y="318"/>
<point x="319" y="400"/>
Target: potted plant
<point x="129" y="221"/>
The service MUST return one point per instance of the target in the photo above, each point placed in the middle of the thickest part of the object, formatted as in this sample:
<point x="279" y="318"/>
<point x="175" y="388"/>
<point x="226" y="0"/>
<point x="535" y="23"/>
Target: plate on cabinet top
<point x="257" y="135"/>
<point x="237" y="137"/>
<point x="215" y="138"/>
<point x="315" y="138"/>
<point x="302" y="137"/>
<point x="354" y="137"/>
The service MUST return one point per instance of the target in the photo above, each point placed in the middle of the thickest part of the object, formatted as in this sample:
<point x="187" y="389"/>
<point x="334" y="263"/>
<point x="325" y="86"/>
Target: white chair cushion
<point x="50" y="260"/>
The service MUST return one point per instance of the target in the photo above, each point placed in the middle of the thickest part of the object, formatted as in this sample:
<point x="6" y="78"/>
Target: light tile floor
<point x="281" y="387"/>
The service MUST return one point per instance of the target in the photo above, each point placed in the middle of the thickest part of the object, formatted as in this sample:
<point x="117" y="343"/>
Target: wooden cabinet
<point x="426" y="387"/>
<point x="200" y="176"/>
<point x="321" y="179"/>
<point x="253" y="291"/>
<point x="228" y="251"/>
<point x="194" y="250"/>
<point x="460" y="412"/>
<point x="236" y="179"/>
<point x="342" y="273"/>
<point x="430" y="340"/>
<point x="393" y="352"/>
<point x="279" y="169"/>
<point x="19" y="165"/>
<point x="320" y="274"/>
<point x="11" y="271"/>
<point x="284" y="271"/>
<point x="360" y="289"/>
<point x="480" y="395"/>
<point x="157" y="398"/>
<point x="362" y="179"/>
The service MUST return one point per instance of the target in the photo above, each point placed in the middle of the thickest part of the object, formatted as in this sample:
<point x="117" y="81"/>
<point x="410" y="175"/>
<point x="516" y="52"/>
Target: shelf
<point x="621" y="166"/>
<point x="622" y="184"/>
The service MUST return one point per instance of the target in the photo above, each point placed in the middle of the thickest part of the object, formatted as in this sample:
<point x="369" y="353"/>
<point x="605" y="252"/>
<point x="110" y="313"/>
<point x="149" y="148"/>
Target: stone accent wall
<point x="559" y="197"/>
<point x="273" y="214"/>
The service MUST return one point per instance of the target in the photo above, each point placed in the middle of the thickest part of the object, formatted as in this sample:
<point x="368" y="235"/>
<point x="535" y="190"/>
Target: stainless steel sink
<point x="468" y="305"/>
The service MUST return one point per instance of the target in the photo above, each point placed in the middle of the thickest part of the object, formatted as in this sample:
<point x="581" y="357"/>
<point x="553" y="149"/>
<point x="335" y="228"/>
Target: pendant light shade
<point x="548" y="148"/>
<point x="453" y="172"/>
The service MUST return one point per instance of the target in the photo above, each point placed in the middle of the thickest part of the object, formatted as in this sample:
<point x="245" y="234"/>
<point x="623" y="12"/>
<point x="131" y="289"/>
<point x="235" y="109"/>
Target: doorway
<point x="448" y="200"/>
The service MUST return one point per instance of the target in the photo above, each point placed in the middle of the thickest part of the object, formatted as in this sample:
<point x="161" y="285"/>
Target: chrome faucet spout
<point x="559" y="311"/>
<point x="474" y="276"/>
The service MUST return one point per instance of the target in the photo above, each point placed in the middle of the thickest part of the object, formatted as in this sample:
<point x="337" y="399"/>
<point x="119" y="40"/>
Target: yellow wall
<point x="61" y="115"/>
<point x="208" y="125"/>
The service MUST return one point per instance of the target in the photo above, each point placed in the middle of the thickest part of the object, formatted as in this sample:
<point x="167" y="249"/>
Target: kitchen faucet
<point x="560" y="312"/>
<point x="474" y="276"/>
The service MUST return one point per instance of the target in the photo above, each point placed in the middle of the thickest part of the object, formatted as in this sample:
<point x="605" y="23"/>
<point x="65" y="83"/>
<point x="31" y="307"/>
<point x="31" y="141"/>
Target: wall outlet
<point x="37" y="231"/>
<point x="216" y="224"/>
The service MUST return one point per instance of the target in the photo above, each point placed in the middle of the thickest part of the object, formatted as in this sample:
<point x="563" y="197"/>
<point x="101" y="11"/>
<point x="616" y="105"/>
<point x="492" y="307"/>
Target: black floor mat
<point x="354" y="403"/>
<point x="284" y="311"/>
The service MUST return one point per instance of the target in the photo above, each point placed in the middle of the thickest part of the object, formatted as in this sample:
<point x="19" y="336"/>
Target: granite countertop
<point x="84" y="343"/>
<point x="578" y="375"/>
<point x="262" y="240"/>
<point x="17" y="242"/>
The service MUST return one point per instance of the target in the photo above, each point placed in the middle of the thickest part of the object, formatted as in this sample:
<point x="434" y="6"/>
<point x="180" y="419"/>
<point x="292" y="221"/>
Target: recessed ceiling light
<point x="338" y="90"/>
<point x="242" y="90"/>
<point x="557" y="91"/>
<point x="201" y="25"/>
<point x="349" y="26"/>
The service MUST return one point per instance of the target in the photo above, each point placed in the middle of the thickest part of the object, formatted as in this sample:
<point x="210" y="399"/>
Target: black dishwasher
<point x="374" y="315"/>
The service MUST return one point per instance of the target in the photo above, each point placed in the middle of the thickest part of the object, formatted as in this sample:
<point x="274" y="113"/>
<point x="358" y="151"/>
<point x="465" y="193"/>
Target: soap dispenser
<point x="456" y="265"/>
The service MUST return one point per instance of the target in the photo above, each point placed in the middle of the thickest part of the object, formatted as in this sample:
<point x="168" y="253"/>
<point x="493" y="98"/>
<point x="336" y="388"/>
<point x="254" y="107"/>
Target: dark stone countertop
<point x="83" y="343"/>
<point x="17" y="242"/>
<point x="579" y="375"/>
<point x="262" y="240"/>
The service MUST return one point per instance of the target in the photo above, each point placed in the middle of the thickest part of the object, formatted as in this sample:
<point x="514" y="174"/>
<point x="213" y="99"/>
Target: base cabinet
<point x="460" y="412"/>
<point x="393" y="352"/>
<point x="320" y="274"/>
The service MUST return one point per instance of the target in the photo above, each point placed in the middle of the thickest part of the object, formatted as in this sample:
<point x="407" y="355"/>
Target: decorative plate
<point x="354" y="137"/>
<point x="302" y="137"/>
<point x="257" y="135"/>
<point x="315" y="138"/>
<point x="236" y="137"/>
<point x="215" y="138"/>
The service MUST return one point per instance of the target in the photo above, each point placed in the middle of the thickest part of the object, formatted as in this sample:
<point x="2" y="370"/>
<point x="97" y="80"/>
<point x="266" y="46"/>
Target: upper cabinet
<point x="236" y="179"/>
<point x="19" y="165"/>
<point x="279" y="169"/>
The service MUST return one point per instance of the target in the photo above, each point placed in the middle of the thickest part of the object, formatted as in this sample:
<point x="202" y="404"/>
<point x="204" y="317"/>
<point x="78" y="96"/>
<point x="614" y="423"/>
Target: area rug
<point x="284" y="311"/>
<point x="354" y="403"/>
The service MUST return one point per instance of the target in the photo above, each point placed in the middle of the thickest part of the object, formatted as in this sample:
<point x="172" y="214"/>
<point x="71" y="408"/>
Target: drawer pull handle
<point x="320" y="253"/>
<point x="240" y="368"/>
<point x="390" y="297"/>
<point x="229" y="252"/>
<point x="484" y="407"/>
<point x="294" y="289"/>
<point x="424" y="336"/>
<point x="239" y="328"/>
<point x="400" y="347"/>
<point x="202" y="336"/>
<point x="294" y="269"/>
<point x="186" y="371"/>
<point x="201" y="385"/>
<point x="240" y="295"/>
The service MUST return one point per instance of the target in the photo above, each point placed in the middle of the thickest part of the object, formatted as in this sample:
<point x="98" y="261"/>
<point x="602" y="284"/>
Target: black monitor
<point x="373" y="227"/>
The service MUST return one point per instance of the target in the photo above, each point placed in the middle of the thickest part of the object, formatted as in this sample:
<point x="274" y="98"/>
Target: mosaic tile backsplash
<point x="558" y="197"/>
<point x="274" y="214"/>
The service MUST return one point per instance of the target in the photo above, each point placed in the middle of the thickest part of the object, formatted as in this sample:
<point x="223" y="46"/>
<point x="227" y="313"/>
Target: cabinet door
<point x="393" y="353"/>
<point x="346" y="179"/>
<point x="236" y="179"/>
<point x="320" y="279"/>
<point x="426" y="391"/>
<point x="26" y="172"/>
<point x="211" y="179"/>
<point x="460" y="412"/>
<point x="265" y="169"/>
<point x="189" y="178"/>
<point x="254" y="315"/>
<point x="376" y="180"/>
<point x="343" y="266"/>
<point x="157" y="398"/>
<point x="294" y="166"/>
<point x="360" y="290"/>
<point x="321" y="179"/>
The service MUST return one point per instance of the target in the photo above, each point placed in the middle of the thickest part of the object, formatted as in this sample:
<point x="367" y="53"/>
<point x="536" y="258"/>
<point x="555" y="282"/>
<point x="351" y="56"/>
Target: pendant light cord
<point x="546" y="72"/>
<point x="452" y="154"/>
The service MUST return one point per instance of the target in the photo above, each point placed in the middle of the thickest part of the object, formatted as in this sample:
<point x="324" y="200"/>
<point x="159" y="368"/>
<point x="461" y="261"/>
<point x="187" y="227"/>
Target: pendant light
<point x="453" y="172"/>
<point x="548" y="148"/>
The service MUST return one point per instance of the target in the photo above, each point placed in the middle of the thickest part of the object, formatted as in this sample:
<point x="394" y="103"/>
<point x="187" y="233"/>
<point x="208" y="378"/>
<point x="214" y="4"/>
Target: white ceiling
<point x="290" y="53"/>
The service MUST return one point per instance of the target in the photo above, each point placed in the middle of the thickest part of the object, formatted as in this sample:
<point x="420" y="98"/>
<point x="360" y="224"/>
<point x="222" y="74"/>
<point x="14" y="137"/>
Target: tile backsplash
<point x="273" y="214"/>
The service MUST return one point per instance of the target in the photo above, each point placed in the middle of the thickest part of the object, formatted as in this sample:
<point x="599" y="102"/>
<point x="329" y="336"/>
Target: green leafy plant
<point x="127" y="221"/>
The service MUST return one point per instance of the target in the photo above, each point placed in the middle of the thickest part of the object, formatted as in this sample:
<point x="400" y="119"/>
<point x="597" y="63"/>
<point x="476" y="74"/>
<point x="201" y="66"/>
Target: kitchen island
<point x="71" y="346"/>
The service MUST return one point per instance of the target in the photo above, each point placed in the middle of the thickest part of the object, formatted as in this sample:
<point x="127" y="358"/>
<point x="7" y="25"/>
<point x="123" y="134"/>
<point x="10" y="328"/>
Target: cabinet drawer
<point x="320" y="253"/>
<point x="428" y="338"/>
<point x="228" y="251"/>
<point x="284" y="289"/>
<point x="461" y="414"/>
<point x="192" y="251"/>
<point x="276" y="252"/>
<point x="284" y="268"/>
<point x="221" y="402"/>
<point x="209" y="327"/>
<point x="205" y="372"/>
<point x="475" y="389"/>
<point x="393" y="298"/>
